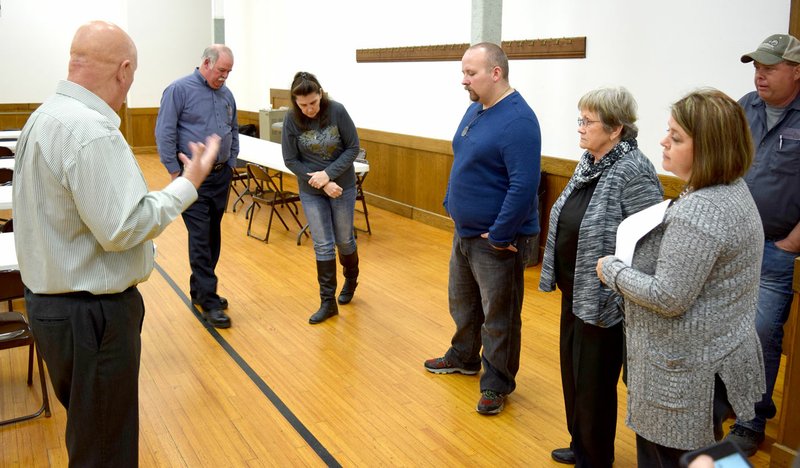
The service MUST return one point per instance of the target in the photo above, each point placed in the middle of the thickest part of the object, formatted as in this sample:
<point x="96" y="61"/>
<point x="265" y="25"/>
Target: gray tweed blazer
<point x="690" y="306"/>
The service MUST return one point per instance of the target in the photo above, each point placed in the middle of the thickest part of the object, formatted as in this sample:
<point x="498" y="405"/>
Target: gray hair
<point x="212" y="53"/>
<point x="614" y="107"/>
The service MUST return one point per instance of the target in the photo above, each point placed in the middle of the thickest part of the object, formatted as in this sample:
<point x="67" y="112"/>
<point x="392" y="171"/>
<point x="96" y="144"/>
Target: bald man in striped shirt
<point x="84" y="224"/>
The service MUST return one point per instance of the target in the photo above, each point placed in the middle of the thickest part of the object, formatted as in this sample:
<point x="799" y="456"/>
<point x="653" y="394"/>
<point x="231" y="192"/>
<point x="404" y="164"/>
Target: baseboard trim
<point x="408" y="211"/>
<point x="144" y="149"/>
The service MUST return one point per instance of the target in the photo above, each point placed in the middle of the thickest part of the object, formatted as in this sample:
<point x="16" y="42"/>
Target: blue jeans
<point x="774" y="303"/>
<point x="331" y="222"/>
<point x="485" y="294"/>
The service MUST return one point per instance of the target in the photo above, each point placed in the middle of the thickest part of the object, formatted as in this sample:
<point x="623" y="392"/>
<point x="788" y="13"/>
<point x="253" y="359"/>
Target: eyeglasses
<point x="586" y="122"/>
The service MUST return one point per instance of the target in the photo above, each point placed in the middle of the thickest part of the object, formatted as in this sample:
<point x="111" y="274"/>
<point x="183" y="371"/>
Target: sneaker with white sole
<point x="491" y="402"/>
<point x="442" y="365"/>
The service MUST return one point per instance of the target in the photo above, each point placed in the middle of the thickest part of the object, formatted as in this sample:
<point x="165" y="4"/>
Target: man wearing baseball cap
<point x="773" y="111"/>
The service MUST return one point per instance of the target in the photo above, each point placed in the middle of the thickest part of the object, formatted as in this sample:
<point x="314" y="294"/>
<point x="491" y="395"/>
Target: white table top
<point x="12" y="145"/>
<point x="268" y="154"/>
<point x="7" y="163"/>
<point x="8" y="253"/>
<point x="5" y="197"/>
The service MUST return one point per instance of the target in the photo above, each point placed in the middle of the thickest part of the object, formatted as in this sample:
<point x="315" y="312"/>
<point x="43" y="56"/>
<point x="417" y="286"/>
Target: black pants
<point x="591" y="359"/>
<point x="202" y="221"/>
<point x="659" y="456"/>
<point x="92" y="345"/>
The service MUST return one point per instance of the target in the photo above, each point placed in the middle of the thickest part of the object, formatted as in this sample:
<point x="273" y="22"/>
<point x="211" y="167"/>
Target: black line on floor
<point x="287" y="414"/>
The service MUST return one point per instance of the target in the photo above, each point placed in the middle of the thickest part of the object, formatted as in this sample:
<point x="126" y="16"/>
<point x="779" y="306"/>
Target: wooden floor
<point x="276" y="391"/>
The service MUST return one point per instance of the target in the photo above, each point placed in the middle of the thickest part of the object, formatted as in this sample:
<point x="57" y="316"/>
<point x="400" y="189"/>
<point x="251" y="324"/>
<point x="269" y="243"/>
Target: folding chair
<point x="15" y="332"/>
<point x="362" y="157"/>
<point x="269" y="192"/>
<point x="6" y="175"/>
<point x="239" y="177"/>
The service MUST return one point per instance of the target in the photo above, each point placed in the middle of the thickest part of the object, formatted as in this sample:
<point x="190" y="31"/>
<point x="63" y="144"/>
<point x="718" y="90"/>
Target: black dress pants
<point x="591" y="360"/>
<point x="659" y="456"/>
<point x="92" y="345"/>
<point x="202" y="221"/>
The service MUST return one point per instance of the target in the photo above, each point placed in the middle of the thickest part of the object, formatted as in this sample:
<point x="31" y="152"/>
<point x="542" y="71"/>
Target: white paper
<point x="634" y="227"/>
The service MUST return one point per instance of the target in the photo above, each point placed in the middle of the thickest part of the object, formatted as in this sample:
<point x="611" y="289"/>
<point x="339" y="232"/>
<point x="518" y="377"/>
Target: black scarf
<point x="588" y="170"/>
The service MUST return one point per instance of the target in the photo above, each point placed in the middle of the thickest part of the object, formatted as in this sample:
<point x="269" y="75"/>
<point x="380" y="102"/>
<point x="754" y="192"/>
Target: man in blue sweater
<point x="492" y="198"/>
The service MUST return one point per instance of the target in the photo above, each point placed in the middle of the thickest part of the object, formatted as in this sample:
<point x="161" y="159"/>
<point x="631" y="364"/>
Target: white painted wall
<point x="170" y="36"/>
<point x="659" y="50"/>
<point x="35" y="36"/>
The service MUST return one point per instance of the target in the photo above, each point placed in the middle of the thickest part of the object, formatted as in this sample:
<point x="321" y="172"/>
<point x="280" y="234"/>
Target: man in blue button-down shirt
<point x="192" y="108"/>
<point x="773" y="112"/>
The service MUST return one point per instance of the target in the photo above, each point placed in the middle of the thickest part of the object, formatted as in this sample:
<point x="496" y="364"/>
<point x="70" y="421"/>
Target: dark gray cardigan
<point x="629" y="186"/>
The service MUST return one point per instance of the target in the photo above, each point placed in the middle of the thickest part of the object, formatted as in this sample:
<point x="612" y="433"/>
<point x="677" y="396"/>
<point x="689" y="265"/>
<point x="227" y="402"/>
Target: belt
<point x="218" y="167"/>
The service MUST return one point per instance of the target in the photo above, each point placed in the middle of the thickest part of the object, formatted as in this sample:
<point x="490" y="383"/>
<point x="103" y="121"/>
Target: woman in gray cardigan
<point x="690" y="296"/>
<point x="612" y="181"/>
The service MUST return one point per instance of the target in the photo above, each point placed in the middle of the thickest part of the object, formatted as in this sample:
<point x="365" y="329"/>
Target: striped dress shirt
<point x="83" y="216"/>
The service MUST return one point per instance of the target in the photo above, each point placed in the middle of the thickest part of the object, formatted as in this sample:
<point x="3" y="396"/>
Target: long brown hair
<point x="723" y="147"/>
<point x="305" y="83"/>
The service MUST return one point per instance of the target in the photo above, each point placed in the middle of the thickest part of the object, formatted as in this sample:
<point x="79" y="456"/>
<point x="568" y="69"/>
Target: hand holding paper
<point x="634" y="227"/>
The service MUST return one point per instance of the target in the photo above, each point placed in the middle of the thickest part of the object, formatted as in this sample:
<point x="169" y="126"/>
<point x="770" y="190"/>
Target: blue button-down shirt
<point x="191" y="110"/>
<point x="774" y="177"/>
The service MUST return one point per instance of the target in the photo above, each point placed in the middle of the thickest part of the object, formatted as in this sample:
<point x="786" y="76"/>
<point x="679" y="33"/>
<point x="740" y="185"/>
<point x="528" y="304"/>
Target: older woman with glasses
<point x="612" y="180"/>
<point x="691" y="291"/>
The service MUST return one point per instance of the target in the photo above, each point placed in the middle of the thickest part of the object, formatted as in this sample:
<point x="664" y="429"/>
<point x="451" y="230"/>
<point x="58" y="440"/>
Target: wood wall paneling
<point x="142" y="129"/>
<point x="408" y="175"/>
<point x="787" y="443"/>
<point x="247" y="117"/>
<point x="14" y="115"/>
<point x="141" y="124"/>
<point x="279" y="98"/>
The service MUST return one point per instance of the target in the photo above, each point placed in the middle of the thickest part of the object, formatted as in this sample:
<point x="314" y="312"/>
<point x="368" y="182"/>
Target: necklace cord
<point x="480" y="113"/>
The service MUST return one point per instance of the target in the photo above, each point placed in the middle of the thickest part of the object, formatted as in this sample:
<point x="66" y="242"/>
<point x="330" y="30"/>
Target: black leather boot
<point x="326" y="275"/>
<point x="350" y="264"/>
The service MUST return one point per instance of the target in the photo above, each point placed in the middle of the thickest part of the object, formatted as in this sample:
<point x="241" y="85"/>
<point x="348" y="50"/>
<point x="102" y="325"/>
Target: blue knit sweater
<point x="495" y="175"/>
